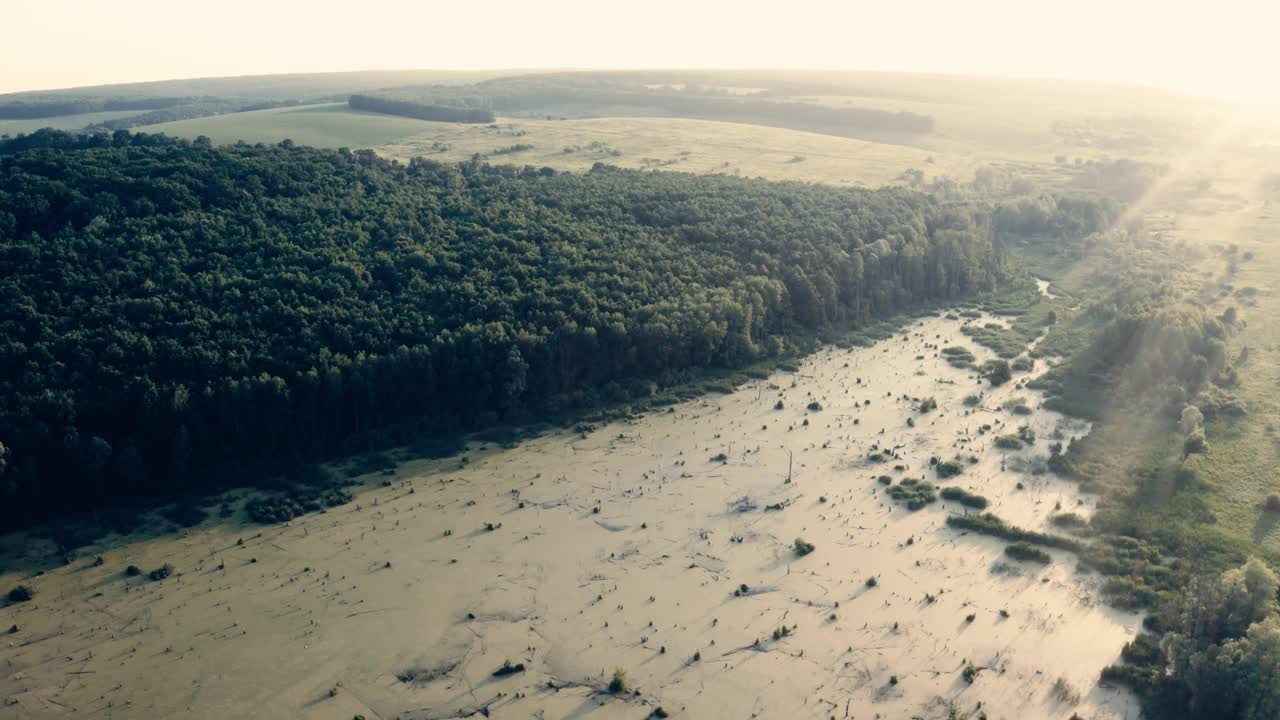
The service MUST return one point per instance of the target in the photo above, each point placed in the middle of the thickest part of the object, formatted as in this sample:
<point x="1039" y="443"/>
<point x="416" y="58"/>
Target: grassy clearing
<point x="697" y="146"/>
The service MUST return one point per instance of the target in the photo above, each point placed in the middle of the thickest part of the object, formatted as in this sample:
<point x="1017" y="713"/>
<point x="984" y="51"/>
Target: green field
<point x="697" y="146"/>
<point x="329" y="126"/>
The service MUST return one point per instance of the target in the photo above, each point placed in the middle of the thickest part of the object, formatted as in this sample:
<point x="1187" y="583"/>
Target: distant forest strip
<point x="421" y="111"/>
<point x="56" y="106"/>
<point x="178" y="317"/>
<point x="550" y="94"/>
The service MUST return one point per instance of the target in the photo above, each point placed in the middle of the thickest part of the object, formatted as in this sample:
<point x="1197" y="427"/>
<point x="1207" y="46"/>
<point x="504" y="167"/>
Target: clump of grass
<point x="802" y="547"/>
<point x="914" y="493"/>
<point x="928" y="405"/>
<point x="964" y="497"/>
<point x="20" y="594"/>
<point x="1028" y="552"/>
<point x="970" y="673"/>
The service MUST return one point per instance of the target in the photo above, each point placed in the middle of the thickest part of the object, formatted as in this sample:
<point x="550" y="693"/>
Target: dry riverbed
<point x="635" y="546"/>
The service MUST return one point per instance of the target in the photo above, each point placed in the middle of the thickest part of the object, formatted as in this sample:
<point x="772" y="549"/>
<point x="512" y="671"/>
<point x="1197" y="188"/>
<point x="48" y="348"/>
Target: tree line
<point x="435" y="110"/>
<point x="55" y="106"/>
<point x="179" y="316"/>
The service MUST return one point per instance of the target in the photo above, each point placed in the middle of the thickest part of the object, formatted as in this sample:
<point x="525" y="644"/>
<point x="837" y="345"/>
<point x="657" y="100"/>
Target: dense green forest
<point x="178" y="316"/>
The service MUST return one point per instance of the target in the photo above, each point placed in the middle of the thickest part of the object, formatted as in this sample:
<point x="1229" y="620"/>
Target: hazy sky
<point x="1225" y="48"/>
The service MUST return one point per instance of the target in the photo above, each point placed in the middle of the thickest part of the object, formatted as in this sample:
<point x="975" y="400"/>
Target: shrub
<point x="659" y="713"/>
<point x="1028" y="552"/>
<point x="914" y="493"/>
<point x="618" y="684"/>
<point x="872" y="582"/>
<point x="802" y="547"/>
<point x="996" y="372"/>
<point x="949" y="468"/>
<point x="1195" y="443"/>
<point x="1027" y="435"/>
<point x="815" y="406"/>
<point x="1273" y="503"/>
<point x="21" y="593"/>
<point x="1071" y="520"/>
<point x="161" y="572"/>
<point x="720" y="458"/>
<point x="964" y="497"/>
<point x="929" y="404"/>
<point x="509" y="669"/>
<point x="1008" y="442"/>
<point x="958" y="356"/>
<point x="132" y="571"/>
<point x="989" y="524"/>
<point x="970" y="673"/>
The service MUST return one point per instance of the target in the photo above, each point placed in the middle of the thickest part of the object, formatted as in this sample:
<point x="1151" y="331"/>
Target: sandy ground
<point x="622" y="548"/>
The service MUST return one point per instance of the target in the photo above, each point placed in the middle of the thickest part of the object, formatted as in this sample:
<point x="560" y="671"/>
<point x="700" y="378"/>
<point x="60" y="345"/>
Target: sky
<point x="1224" y="48"/>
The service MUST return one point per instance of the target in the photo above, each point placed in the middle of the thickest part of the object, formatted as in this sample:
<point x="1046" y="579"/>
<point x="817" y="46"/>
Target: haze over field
<point x="1226" y="52"/>
<point x="701" y="360"/>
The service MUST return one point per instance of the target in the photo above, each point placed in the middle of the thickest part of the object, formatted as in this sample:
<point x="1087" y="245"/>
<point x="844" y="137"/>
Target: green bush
<point x="964" y="497"/>
<point x="914" y="493"/>
<point x="802" y="547"/>
<point x="1028" y="552"/>
<point x="1008" y="442"/>
<point x="949" y="468"/>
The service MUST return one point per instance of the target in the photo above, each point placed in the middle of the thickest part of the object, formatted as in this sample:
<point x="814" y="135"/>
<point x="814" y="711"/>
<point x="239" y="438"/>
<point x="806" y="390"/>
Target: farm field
<point x="327" y="125"/>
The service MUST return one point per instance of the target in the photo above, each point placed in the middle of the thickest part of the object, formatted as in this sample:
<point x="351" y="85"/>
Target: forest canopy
<point x="176" y="314"/>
